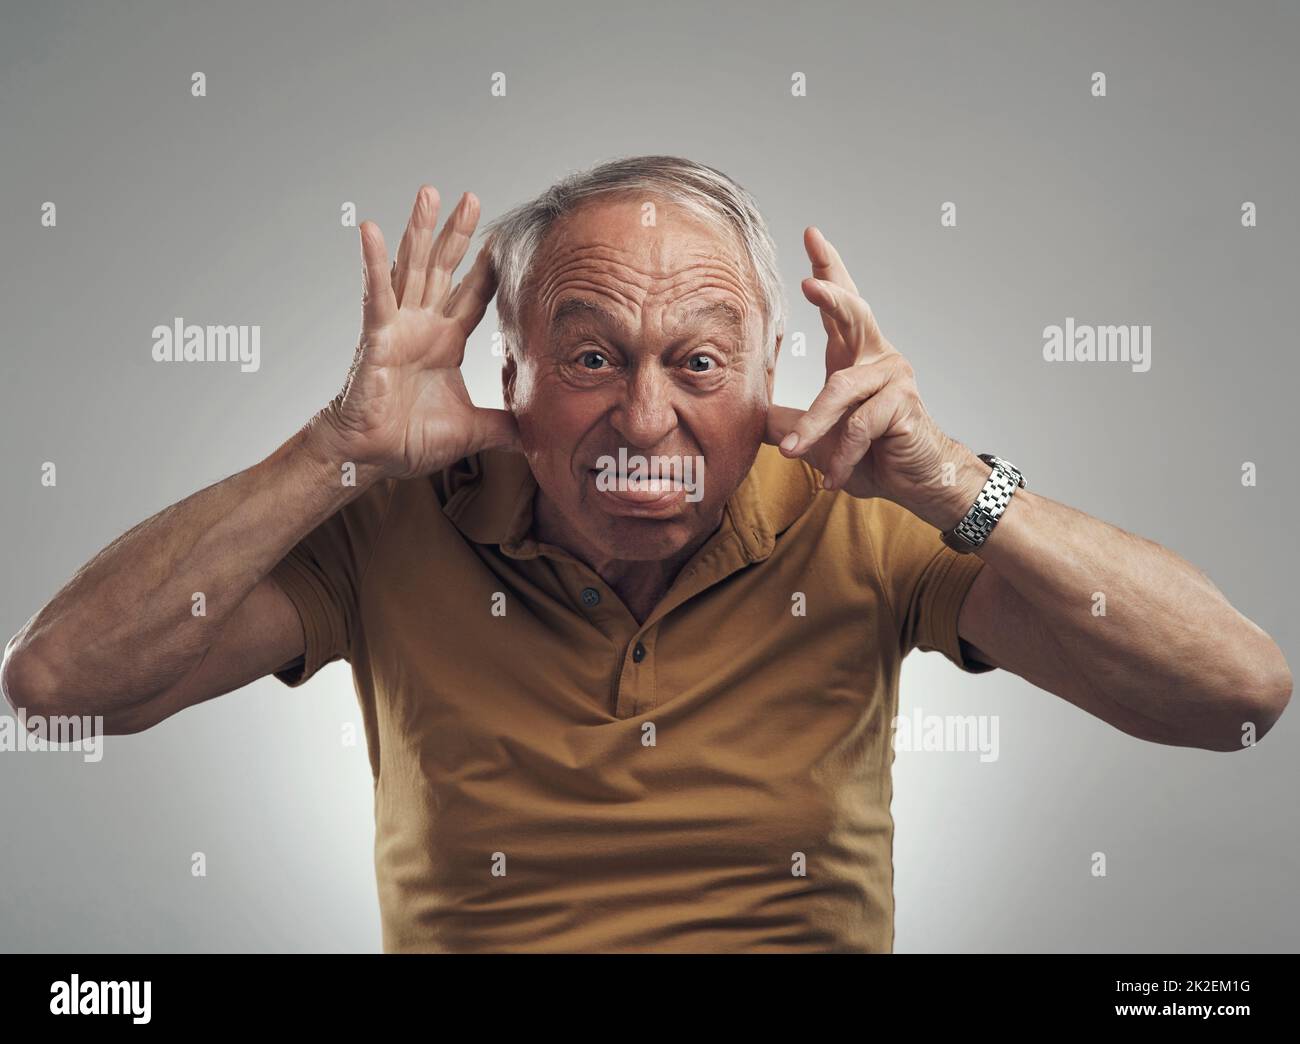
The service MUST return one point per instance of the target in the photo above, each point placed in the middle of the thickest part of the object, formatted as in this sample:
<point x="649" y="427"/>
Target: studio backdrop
<point x="990" y="172"/>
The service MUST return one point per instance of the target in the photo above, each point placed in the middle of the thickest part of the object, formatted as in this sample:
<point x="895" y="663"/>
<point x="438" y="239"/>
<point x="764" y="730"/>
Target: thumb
<point x="496" y="429"/>
<point x="780" y="420"/>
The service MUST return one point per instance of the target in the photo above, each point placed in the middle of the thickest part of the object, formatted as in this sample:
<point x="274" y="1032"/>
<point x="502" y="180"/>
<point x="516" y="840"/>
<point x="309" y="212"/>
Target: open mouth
<point x="639" y="482"/>
<point x="633" y="493"/>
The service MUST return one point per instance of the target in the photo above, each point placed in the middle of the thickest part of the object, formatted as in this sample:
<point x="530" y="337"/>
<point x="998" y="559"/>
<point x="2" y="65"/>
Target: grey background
<point x="225" y="209"/>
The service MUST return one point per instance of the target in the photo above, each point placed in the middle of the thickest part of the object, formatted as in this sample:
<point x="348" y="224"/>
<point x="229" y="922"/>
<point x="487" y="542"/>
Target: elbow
<point x="28" y="684"/>
<point x="1273" y="693"/>
<point x="38" y="692"/>
<point x="1256" y="701"/>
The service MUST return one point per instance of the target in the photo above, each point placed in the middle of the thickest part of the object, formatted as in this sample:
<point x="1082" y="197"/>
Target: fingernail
<point x="827" y="483"/>
<point x="790" y="442"/>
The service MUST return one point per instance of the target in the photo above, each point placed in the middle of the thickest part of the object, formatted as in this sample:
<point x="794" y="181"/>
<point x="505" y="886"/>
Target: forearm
<point x="125" y="627"/>
<point x="1142" y="627"/>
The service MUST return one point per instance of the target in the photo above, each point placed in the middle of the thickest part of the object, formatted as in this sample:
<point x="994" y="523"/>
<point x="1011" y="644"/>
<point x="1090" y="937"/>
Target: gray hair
<point x="514" y="237"/>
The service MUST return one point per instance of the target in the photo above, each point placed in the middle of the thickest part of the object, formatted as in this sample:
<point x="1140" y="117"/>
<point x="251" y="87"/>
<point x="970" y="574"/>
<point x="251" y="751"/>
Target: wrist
<point x="335" y="457"/>
<point x="960" y="479"/>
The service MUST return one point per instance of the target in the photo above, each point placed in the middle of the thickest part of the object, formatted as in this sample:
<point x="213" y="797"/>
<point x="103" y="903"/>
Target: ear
<point x="771" y="370"/>
<point x="508" y="372"/>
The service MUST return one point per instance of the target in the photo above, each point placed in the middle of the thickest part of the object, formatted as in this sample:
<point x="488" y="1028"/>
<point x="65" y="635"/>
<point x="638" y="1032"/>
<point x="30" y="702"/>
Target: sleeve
<point x="924" y="580"/>
<point x="321" y="575"/>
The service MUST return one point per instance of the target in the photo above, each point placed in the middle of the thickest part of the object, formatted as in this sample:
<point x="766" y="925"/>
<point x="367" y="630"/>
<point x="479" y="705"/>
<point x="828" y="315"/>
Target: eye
<point x="592" y="360"/>
<point x="700" y="358"/>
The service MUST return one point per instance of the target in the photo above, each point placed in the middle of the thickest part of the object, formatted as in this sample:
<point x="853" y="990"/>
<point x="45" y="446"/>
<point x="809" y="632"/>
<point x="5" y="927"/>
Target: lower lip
<point x="638" y="502"/>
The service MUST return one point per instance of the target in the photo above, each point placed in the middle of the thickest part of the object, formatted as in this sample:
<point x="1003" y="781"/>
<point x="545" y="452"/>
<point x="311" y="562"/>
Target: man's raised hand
<point x="404" y="410"/>
<point x="868" y="431"/>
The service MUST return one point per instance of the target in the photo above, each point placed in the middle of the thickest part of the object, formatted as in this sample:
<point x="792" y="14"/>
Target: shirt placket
<point x="635" y="690"/>
<point x="636" y="681"/>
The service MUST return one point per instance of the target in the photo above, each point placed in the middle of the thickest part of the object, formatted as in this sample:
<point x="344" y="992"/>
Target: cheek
<point x="729" y="434"/>
<point x="553" y="423"/>
<point x="747" y="393"/>
<point x="743" y="403"/>
<point x="559" y="412"/>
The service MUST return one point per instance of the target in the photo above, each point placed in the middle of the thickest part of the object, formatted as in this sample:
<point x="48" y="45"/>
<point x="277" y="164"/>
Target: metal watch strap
<point x="974" y="529"/>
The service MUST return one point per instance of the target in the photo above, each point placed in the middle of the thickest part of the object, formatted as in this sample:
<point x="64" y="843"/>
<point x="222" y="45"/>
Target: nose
<point x="646" y="414"/>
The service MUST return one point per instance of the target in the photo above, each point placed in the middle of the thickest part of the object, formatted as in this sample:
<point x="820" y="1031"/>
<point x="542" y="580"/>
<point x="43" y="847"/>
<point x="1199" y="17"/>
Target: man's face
<point x="646" y="340"/>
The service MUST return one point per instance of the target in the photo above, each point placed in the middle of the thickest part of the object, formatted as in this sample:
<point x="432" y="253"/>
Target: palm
<point x="405" y="404"/>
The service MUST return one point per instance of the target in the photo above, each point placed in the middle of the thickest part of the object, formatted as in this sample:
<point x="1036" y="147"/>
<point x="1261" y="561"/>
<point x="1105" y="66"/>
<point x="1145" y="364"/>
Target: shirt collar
<point x="489" y="497"/>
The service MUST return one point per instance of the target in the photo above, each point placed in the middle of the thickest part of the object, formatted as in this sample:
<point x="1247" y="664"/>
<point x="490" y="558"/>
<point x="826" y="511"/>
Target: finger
<point x="844" y="390"/>
<point x="470" y="299"/>
<point x="452" y="243"/>
<point x="496" y="429"/>
<point x="826" y="261"/>
<point x="378" y="304"/>
<point x="781" y="420"/>
<point x="417" y="241"/>
<point x="853" y="321"/>
<point x="860" y="429"/>
<point x="839" y="320"/>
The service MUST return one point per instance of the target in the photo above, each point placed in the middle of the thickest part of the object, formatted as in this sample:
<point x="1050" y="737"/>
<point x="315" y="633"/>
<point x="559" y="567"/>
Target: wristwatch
<point x="974" y="529"/>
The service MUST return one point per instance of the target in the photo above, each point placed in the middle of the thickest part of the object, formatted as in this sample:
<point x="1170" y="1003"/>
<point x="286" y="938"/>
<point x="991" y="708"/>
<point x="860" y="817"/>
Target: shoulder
<point x="791" y="492"/>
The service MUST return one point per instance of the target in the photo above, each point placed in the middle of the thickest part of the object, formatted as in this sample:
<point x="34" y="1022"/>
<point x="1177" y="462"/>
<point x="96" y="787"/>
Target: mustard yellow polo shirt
<point x="552" y="776"/>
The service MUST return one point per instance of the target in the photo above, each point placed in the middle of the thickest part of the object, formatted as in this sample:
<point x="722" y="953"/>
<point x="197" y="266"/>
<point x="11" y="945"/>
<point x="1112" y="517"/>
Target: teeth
<point x="639" y="484"/>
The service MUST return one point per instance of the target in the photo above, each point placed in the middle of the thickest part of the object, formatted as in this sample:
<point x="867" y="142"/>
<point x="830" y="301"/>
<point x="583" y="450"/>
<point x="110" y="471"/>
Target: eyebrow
<point x="578" y="308"/>
<point x="723" y="312"/>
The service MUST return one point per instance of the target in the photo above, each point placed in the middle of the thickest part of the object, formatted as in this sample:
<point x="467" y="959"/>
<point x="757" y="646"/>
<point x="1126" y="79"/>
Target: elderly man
<point x="607" y="711"/>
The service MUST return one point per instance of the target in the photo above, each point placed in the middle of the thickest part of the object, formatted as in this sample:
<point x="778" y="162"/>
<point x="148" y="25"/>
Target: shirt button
<point x="638" y="654"/>
<point x="590" y="596"/>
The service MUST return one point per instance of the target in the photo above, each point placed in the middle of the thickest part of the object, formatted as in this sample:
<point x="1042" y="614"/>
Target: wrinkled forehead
<point x="634" y="251"/>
